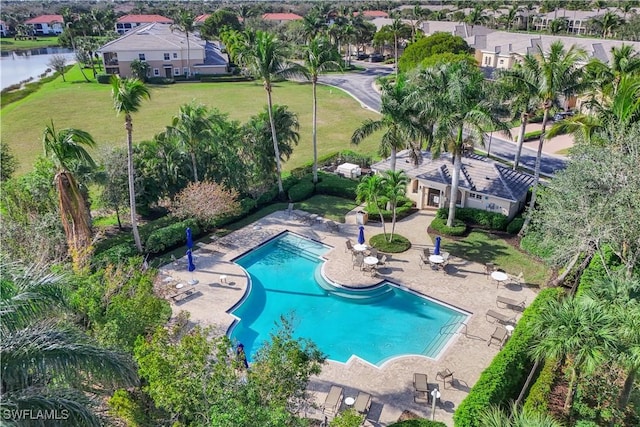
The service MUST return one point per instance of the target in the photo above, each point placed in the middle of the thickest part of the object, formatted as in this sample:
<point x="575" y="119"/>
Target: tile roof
<point x="201" y="18"/>
<point x="281" y="17"/>
<point x="45" y="19"/>
<point x="375" y="14"/>
<point x="479" y="174"/>
<point x="143" y="19"/>
<point x="154" y="36"/>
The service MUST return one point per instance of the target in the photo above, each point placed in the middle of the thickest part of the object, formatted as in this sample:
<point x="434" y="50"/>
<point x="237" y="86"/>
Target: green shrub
<point x="123" y="406"/>
<point x="397" y="245"/>
<point x="538" y="398"/>
<point x="348" y="418"/>
<point x="504" y="377"/>
<point x="161" y="81"/>
<point x="531" y="136"/>
<point x="115" y="254"/>
<point x="596" y="270"/>
<point x="225" y="78"/>
<point x="333" y="185"/>
<point x="418" y="423"/>
<point x="172" y="235"/>
<point x="104" y="79"/>
<point x="301" y="191"/>
<point x="532" y="243"/>
<point x="268" y="196"/>
<point x="440" y="225"/>
<point x="585" y="423"/>
<point x="515" y="225"/>
<point x="478" y="217"/>
<point x="246" y="206"/>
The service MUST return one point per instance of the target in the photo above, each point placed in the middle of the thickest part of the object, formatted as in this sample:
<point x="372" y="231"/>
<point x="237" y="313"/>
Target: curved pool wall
<point x="375" y="324"/>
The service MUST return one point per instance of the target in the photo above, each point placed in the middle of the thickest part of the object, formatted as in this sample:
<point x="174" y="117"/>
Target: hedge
<point x="225" y="78"/>
<point x="596" y="270"/>
<point x="161" y="81"/>
<point x="504" y="377"/>
<point x="172" y="235"/>
<point x="471" y="216"/>
<point x="515" y="225"/>
<point x="531" y="136"/>
<point x="104" y="78"/>
<point x="418" y="423"/>
<point x="440" y="225"/>
<point x="333" y="185"/>
<point x="538" y="398"/>
<point x="115" y="254"/>
<point x="301" y="191"/>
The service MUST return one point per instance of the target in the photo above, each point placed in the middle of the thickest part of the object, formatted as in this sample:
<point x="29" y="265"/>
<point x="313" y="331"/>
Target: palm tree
<point x="265" y="57"/>
<point x="516" y="417"/>
<point x="399" y="120"/>
<point x="319" y="56"/>
<point x="577" y="329"/>
<point x="66" y="148"/>
<point x="557" y="73"/>
<point x="127" y="95"/>
<point x="369" y="191"/>
<point x="625" y="61"/>
<point x="453" y="94"/>
<point x="395" y="188"/>
<point x="185" y="21"/>
<point x="193" y="126"/>
<point x="46" y="362"/>
<point x="397" y="29"/>
<point x="476" y="16"/>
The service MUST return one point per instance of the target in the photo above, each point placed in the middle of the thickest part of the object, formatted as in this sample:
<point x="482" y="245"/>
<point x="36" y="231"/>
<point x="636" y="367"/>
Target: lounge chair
<point x="382" y="260"/>
<point x="420" y="387"/>
<point x="363" y="403"/>
<point x="373" y="252"/>
<point x="444" y="375"/>
<point x="424" y="261"/>
<point x="332" y="226"/>
<point x="358" y="261"/>
<point x="502" y="318"/>
<point x="500" y="335"/>
<point x="508" y="302"/>
<point x="333" y="400"/>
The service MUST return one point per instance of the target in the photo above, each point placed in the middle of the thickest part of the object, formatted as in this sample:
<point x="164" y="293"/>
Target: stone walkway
<point x="464" y="285"/>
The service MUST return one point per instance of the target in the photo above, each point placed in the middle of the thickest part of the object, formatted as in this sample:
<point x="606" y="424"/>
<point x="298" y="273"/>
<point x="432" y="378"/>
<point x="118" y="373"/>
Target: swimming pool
<point x="375" y="325"/>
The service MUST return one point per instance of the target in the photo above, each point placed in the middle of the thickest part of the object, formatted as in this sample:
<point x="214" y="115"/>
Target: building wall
<point x="46" y="29"/>
<point x="3" y="30"/>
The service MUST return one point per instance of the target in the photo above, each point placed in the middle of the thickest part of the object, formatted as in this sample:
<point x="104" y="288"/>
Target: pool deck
<point x="464" y="285"/>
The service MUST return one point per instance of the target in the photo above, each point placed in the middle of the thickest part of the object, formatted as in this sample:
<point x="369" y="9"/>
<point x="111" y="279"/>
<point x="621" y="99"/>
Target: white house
<point x="4" y="29"/>
<point x="46" y="25"/>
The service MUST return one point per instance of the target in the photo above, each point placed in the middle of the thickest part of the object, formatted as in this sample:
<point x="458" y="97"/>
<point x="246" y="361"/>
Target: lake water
<point x="18" y="66"/>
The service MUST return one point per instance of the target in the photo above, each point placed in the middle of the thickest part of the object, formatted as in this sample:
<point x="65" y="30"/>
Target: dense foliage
<point x="435" y="44"/>
<point x="477" y="217"/>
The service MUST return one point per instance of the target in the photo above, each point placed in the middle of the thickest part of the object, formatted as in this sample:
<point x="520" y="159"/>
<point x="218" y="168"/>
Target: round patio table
<point x="371" y="260"/>
<point x="499" y="276"/>
<point x="436" y="259"/>
<point x="360" y="248"/>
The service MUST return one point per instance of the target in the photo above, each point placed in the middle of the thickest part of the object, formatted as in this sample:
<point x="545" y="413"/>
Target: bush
<point x="397" y="245"/>
<point x="515" y="225"/>
<point x="225" y="78"/>
<point x="268" y="196"/>
<point x="161" y="81"/>
<point x="333" y="185"/>
<point x="301" y="191"/>
<point x="531" y="136"/>
<point x="418" y="423"/>
<point x="538" y="397"/>
<point x="478" y="217"/>
<point x="504" y="377"/>
<point x="440" y="225"/>
<point x="172" y="235"/>
<point x="104" y="79"/>
<point x="532" y="244"/>
<point x="348" y="418"/>
<point x="115" y="254"/>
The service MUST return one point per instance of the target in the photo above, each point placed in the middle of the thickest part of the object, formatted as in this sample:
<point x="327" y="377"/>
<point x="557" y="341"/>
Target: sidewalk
<point x="557" y="145"/>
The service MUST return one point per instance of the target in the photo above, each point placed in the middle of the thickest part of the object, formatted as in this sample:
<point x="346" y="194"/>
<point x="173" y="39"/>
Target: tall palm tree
<point x="370" y="190"/>
<point x="558" y="74"/>
<point x="399" y="120"/>
<point x="576" y="329"/>
<point x="398" y="29"/>
<point x="193" y="126"/>
<point x="264" y="56"/>
<point x="319" y="56"/>
<point x="66" y="147"/>
<point x="453" y="94"/>
<point x="127" y="95"/>
<point x="46" y="362"/>
<point x="394" y="184"/>
<point x="625" y="61"/>
<point x="185" y="21"/>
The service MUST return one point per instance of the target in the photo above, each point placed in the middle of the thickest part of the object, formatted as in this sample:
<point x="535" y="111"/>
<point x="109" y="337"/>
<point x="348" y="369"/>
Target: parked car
<point x="376" y="57"/>
<point x="561" y="115"/>
<point x="361" y="56"/>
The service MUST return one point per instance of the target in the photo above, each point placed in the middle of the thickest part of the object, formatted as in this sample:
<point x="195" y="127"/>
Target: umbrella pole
<point x="193" y="280"/>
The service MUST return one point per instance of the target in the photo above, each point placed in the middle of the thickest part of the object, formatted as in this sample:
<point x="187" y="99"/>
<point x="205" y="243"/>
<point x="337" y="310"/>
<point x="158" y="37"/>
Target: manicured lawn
<point x="88" y="106"/>
<point x="483" y="247"/>
<point x="10" y="44"/>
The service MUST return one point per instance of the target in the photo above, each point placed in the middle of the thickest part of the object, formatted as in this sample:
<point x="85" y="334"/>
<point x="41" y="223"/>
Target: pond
<point x="16" y="66"/>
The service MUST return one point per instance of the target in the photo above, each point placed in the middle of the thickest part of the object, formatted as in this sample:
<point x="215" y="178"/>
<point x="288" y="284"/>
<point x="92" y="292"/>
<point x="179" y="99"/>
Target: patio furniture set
<point x="435" y="261"/>
<point x="336" y="401"/>
<point x="366" y="258"/>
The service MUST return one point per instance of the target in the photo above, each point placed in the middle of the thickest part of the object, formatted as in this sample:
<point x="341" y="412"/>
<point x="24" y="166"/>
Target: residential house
<point x="281" y="18"/>
<point x="372" y="14"/>
<point x="127" y="22"/>
<point x="4" y="29"/>
<point x="46" y="25"/>
<point x="484" y="184"/>
<point x="200" y="19"/>
<point x="165" y="50"/>
<point x="577" y="20"/>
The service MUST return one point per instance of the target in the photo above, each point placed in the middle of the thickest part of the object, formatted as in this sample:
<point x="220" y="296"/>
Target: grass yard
<point x="88" y="106"/>
<point x="483" y="247"/>
<point x="8" y="43"/>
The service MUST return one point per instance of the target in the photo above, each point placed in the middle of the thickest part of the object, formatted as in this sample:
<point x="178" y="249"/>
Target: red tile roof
<point x="375" y="14"/>
<point x="281" y="17"/>
<point x="45" y="19"/>
<point x="201" y="18"/>
<point x="143" y="19"/>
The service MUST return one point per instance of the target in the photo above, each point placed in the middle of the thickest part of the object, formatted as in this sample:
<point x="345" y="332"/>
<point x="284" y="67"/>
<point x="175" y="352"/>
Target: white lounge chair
<point x="333" y="400"/>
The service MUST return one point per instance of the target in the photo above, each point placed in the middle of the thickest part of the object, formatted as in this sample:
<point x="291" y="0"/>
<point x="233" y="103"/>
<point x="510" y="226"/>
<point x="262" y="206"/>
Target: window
<point x="475" y="196"/>
<point x="175" y="56"/>
<point x="185" y="71"/>
<point x="141" y="57"/>
<point x="176" y="71"/>
<point x="156" y="72"/>
<point x="167" y="57"/>
<point x="502" y="61"/>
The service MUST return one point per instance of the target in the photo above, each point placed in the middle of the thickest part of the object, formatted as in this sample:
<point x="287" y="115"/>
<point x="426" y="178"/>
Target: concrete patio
<point x="464" y="285"/>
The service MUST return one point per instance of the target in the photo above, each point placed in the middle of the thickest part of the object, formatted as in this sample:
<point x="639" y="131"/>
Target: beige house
<point x="128" y="22"/>
<point x="484" y="184"/>
<point x="165" y="50"/>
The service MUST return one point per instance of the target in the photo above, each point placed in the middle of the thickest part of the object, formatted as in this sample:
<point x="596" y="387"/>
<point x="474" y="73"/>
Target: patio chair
<point x="424" y="261"/>
<point x="426" y="252"/>
<point x="445" y="256"/>
<point x="332" y="226"/>
<point x="333" y="400"/>
<point x="289" y="210"/>
<point x="349" y="247"/>
<point x="363" y="403"/>
<point x="489" y="268"/>
<point x="444" y="375"/>
<point x="510" y="303"/>
<point x="383" y="260"/>
<point x="420" y="387"/>
<point x="500" y="335"/>
<point x="358" y="261"/>
<point x="502" y="318"/>
<point x="517" y="280"/>
<point x="373" y="252"/>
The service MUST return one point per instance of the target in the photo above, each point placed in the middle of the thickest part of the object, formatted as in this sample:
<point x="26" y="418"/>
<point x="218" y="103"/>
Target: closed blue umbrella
<point x="189" y="239"/>
<point x="436" y="251"/>
<point x="361" y="236"/>
<point x="191" y="267"/>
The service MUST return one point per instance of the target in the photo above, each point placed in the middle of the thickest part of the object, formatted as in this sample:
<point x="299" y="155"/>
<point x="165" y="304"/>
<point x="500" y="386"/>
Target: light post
<point x="435" y="394"/>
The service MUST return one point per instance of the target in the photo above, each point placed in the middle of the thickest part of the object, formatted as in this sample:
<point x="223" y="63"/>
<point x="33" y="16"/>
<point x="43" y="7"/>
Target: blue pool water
<point x="375" y="324"/>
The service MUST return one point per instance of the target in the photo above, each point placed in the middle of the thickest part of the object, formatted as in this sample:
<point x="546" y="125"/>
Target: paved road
<point x="360" y="86"/>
